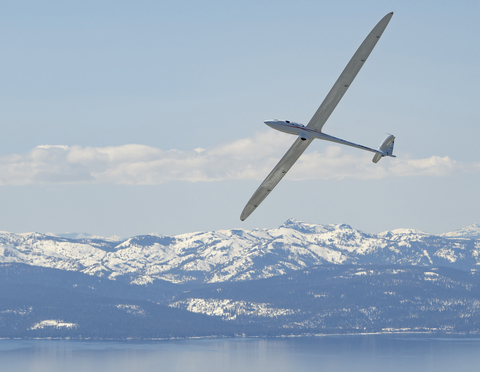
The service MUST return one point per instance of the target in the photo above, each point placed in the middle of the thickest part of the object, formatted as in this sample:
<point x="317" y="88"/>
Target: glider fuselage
<point x="306" y="133"/>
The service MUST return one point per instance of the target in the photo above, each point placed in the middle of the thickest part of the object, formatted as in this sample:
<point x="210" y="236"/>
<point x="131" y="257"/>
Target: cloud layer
<point x="245" y="159"/>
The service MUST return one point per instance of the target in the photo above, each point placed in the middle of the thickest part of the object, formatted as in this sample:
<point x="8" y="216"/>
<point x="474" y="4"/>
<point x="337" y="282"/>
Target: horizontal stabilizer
<point x="377" y="157"/>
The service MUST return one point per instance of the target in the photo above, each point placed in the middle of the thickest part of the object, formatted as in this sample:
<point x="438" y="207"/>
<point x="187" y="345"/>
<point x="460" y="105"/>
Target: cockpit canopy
<point x="294" y="123"/>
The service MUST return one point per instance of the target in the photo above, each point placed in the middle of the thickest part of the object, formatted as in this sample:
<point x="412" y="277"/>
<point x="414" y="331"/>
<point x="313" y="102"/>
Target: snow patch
<point x="132" y="309"/>
<point x="58" y="324"/>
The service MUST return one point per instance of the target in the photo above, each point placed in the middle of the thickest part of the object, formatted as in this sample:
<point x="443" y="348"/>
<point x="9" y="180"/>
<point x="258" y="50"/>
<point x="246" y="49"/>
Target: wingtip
<point x="247" y="211"/>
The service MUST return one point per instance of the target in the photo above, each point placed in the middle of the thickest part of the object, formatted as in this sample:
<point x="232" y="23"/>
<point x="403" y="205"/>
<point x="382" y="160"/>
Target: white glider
<point x="306" y="134"/>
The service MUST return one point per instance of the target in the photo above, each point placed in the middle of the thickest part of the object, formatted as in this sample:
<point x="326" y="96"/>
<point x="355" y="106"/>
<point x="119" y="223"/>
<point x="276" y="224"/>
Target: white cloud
<point x="248" y="158"/>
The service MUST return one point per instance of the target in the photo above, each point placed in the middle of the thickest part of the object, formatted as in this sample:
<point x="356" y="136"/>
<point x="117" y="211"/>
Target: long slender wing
<point x="348" y="74"/>
<point x="275" y="176"/>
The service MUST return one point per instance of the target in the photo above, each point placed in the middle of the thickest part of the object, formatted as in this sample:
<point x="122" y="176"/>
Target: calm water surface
<point x="332" y="353"/>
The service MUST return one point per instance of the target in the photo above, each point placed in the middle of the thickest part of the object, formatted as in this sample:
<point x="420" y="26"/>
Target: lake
<point x="330" y="353"/>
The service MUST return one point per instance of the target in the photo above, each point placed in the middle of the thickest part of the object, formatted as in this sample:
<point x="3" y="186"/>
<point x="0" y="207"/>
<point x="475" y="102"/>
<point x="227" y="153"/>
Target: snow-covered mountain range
<point x="240" y="255"/>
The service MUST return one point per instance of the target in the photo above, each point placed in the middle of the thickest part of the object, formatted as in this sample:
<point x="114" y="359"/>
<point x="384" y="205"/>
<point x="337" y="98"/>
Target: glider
<point x="306" y="134"/>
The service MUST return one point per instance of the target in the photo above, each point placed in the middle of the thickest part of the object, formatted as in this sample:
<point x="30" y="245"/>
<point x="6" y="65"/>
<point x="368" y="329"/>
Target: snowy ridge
<point x="238" y="255"/>
<point x="54" y="324"/>
<point x="229" y="310"/>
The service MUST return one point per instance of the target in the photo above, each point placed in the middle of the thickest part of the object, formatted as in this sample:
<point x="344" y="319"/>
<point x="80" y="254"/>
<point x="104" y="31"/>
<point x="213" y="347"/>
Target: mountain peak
<point x="471" y="232"/>
<point x="310" y="228"/>
<point x="402" y="232"/>
<point x="291" y="222"/>
<point x="83" y="235"/>
<point x="344" y="226"/>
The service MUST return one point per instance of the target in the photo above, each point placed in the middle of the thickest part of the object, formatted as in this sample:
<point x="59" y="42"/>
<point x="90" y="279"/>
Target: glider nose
<point x="270" y="123"/>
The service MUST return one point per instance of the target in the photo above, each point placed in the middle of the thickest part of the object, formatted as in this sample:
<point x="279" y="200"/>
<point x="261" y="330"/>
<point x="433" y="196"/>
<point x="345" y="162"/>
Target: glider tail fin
<point x="385" y="149"/>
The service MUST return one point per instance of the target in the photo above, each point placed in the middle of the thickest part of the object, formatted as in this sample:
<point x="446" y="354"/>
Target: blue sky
<point x="122" y="117"/>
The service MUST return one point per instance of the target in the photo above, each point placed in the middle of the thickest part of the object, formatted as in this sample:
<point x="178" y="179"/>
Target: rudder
<point x="385" y="149"/>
